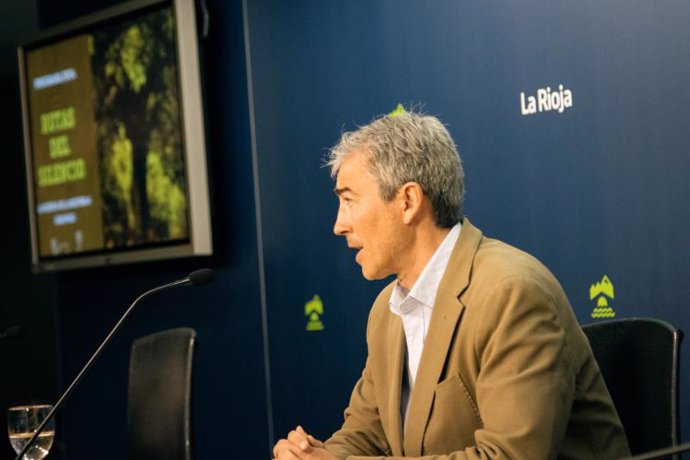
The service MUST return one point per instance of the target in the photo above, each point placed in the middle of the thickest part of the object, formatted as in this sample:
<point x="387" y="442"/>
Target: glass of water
<point x="22" y="422"/>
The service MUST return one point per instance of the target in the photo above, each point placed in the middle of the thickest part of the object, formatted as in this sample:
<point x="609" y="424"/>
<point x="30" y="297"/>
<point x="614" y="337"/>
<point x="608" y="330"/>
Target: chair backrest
<point x="158" y="409"/>
<point x="638" y="358"/>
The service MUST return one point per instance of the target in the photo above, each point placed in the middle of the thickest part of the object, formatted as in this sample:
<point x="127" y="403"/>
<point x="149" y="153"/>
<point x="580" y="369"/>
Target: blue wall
<point x="596" y="190"/>
<point x="599" y="189"/>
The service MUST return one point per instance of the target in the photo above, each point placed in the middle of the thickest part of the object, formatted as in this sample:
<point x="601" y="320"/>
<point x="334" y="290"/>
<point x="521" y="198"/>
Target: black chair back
<point x="639" y="358"/>
<point x="158" y="417"/>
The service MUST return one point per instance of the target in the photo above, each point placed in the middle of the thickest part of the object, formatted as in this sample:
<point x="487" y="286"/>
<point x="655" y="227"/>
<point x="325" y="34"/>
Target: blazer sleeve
<point x="362" y="433"/>
<point x="526" y="384"/>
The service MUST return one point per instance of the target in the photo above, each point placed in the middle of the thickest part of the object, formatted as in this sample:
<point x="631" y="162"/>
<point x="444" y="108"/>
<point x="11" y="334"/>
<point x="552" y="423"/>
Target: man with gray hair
<point x="474" y="351"/>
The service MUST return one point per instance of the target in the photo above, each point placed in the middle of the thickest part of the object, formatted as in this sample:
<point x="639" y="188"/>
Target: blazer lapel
<point x="396" y="355"/>
<point x="444" y="320"/>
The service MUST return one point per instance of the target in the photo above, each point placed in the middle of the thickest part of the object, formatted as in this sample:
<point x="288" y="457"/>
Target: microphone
<point x="11" y="332"/>
<point x="200" y="277"/>
<point x="659" y="454"/>
<point x="196" y="278"/>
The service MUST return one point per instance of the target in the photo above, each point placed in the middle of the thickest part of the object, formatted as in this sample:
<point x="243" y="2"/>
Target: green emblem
<point x="602" y="292"/>
<point x="313" y="310"/>
<point x="399" y="110"/>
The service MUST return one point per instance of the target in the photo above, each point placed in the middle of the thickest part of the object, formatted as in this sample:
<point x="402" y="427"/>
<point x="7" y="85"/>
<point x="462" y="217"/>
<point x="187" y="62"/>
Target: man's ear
<point x="411" y="201"/>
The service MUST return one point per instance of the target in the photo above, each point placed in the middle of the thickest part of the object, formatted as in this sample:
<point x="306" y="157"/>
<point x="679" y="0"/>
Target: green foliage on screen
<point x="139" y="132"/>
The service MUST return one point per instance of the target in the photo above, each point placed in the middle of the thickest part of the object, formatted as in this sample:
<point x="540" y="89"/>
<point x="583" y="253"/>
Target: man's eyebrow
<point x="340" y="191"/>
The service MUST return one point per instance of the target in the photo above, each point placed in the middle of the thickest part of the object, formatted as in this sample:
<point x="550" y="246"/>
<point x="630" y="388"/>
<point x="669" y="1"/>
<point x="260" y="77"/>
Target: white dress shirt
<point x="414" y="306"/>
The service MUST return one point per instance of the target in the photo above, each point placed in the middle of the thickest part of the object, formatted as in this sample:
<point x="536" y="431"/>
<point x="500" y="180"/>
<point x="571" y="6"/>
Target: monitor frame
<point x="199" y="242"/>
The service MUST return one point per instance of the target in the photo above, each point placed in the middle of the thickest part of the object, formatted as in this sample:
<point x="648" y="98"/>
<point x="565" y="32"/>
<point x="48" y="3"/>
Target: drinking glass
<point x="22" y="422"/>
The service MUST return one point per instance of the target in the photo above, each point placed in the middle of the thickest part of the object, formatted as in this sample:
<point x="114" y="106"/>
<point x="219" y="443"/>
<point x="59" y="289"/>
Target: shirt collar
<point x="425" y="288"/>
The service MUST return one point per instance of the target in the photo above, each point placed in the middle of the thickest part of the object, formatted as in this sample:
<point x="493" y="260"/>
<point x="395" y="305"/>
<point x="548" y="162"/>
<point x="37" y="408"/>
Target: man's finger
<point x="312" y="440"/>
<point x="315" y="442"/>
<point x="299" y="438"/>
<point x="285" y="450"/>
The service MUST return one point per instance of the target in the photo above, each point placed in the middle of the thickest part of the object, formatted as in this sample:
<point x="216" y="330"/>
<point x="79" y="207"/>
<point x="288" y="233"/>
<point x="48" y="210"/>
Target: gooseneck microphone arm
<point x="196" y="278"/>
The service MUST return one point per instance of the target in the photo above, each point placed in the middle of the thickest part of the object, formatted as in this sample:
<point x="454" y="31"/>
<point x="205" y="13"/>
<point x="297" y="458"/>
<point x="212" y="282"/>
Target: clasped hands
<point x="300" y="445"/>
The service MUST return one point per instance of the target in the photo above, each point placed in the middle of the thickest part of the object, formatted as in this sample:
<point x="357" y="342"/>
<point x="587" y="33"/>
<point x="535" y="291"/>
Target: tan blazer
<point x="506" y="371"/>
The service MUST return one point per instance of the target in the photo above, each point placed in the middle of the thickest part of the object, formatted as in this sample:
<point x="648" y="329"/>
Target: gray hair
<point x="409" y="148"/>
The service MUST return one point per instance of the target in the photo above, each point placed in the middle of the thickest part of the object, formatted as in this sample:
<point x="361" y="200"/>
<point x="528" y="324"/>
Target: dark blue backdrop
<point x="596" y="190"/>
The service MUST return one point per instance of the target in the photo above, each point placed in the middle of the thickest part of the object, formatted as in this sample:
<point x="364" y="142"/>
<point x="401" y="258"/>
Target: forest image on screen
<point x="107" y="141"/>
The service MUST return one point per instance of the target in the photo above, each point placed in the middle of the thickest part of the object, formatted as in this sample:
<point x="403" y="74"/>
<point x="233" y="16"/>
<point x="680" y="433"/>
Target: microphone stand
<point x="197" y="277"/>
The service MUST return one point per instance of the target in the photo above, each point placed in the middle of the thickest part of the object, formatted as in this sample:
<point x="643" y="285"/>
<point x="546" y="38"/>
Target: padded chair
<point x="158" y="415"/>
<point x="639" y="359"/>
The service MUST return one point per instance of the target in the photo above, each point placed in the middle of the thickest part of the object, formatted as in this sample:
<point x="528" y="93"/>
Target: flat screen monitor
<point x="114" y="138"/>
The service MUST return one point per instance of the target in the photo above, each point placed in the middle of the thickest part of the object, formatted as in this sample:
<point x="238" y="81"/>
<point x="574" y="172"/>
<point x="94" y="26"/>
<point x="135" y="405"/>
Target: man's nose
<point x="340" y="227"/>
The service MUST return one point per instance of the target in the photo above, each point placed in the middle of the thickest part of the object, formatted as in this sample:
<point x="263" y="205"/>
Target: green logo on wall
<point x="399" y="110"/>
<point x="313" y="310"/>
<point x="602" y="292"/>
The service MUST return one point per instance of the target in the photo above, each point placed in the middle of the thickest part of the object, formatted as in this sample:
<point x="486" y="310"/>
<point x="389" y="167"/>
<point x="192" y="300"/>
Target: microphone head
<point x="201" y="277"/>
<point x="12" y="332"/>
